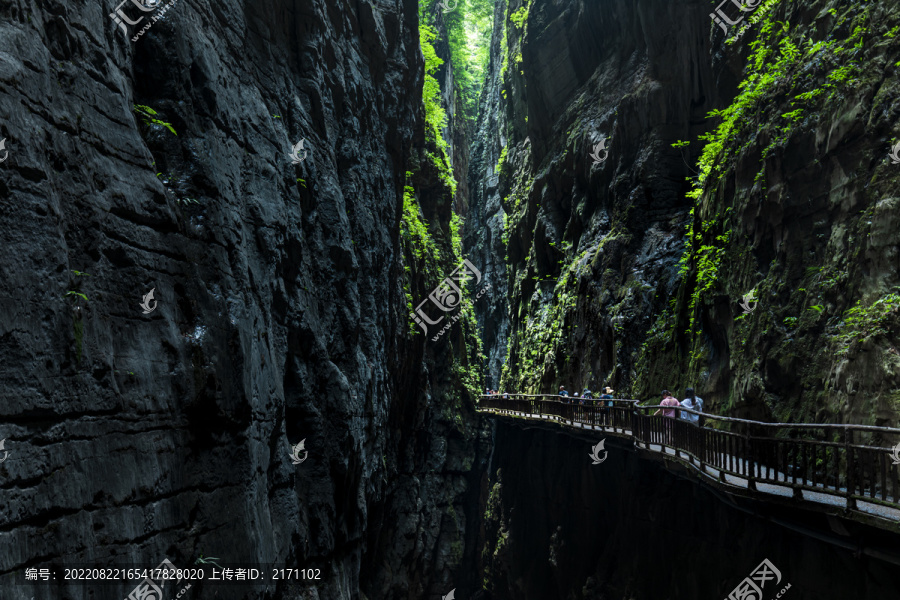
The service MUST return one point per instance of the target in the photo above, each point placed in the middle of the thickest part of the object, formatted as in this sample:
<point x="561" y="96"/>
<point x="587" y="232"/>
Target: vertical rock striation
<point x="281" y="313"/>
<point x="628" y="254"/>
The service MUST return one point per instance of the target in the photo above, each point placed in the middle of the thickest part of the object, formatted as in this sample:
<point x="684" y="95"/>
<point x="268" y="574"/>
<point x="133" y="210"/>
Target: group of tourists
<point x="692" y="401"/>
<point x="587" y="397"/>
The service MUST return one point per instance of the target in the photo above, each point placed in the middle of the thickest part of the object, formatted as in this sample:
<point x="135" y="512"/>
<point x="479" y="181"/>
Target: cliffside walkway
<point x="842" y="466"/>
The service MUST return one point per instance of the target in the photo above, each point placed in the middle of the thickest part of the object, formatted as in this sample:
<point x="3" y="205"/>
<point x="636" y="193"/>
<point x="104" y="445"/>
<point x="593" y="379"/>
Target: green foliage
<point x="519" y="17"/>
<point x="861" y="323"/>
<point x="504" y="57"/>
<point x="421" y="251"/>
<point x="543" y="336"/>
<point x="468" y="35"/>
<point x="435" y="115"/>
<point x="413" y="229"/>
<point x="468" y="376"/>
<point x="781" y="61"/>
<point x="501" y="162"/>
<point x="456" y="227"/>
<point x="148" y="117"/>
<point x="77" y="295"/>
<point x="763" y="77"/>
<point x="81" y="273"/>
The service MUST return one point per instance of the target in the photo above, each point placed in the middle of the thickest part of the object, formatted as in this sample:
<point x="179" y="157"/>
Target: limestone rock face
<point x="280" y="314"/>
<point x="616" y="276"/>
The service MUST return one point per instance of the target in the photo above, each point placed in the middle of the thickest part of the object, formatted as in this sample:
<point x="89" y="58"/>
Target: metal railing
<point x="849" y="461"/>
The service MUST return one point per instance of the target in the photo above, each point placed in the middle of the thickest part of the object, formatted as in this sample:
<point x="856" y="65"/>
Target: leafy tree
<point x="468" y="36"/>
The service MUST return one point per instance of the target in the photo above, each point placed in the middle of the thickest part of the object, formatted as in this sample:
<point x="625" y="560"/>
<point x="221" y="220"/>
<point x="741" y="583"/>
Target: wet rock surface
<point x="588" y="73"/>
<point x="280" y="312"/>
<point x="583" y="180"/>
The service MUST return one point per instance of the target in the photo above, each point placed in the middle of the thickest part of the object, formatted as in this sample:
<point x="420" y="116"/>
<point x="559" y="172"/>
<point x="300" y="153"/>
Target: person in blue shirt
<point x="607" y="396"/>
<point x="693" y="402"/>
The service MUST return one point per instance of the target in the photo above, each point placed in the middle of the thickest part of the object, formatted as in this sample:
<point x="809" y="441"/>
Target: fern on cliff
<point x="435" y="115"/>
<point x="785" y="62"/>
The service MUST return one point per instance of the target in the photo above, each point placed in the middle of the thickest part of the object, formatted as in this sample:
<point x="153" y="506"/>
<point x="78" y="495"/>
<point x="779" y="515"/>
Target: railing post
<point x="751" y="472"/>
<point x="851" y="469"/>
<point x="701" y="445"/>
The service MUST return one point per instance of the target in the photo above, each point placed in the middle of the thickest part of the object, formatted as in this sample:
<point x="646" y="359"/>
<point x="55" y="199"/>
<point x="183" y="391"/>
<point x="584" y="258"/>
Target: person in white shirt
<point x="693" y="402"/>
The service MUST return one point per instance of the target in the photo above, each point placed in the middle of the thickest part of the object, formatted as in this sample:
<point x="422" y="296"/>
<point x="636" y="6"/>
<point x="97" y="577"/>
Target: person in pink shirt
<point x="668" y="400"/>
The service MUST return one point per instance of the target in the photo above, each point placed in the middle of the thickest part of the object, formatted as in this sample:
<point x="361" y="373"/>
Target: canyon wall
<point x="629" y="254"/>
<point x="279" y="291"/>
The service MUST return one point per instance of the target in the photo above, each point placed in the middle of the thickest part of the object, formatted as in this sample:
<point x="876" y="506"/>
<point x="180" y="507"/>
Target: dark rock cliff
<point x="587" y="243"/>
<point x="484" y="237"/>
<point x="626" y="263"/>
<point x="620" y="274"/>
<point x="281" y="313"/>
